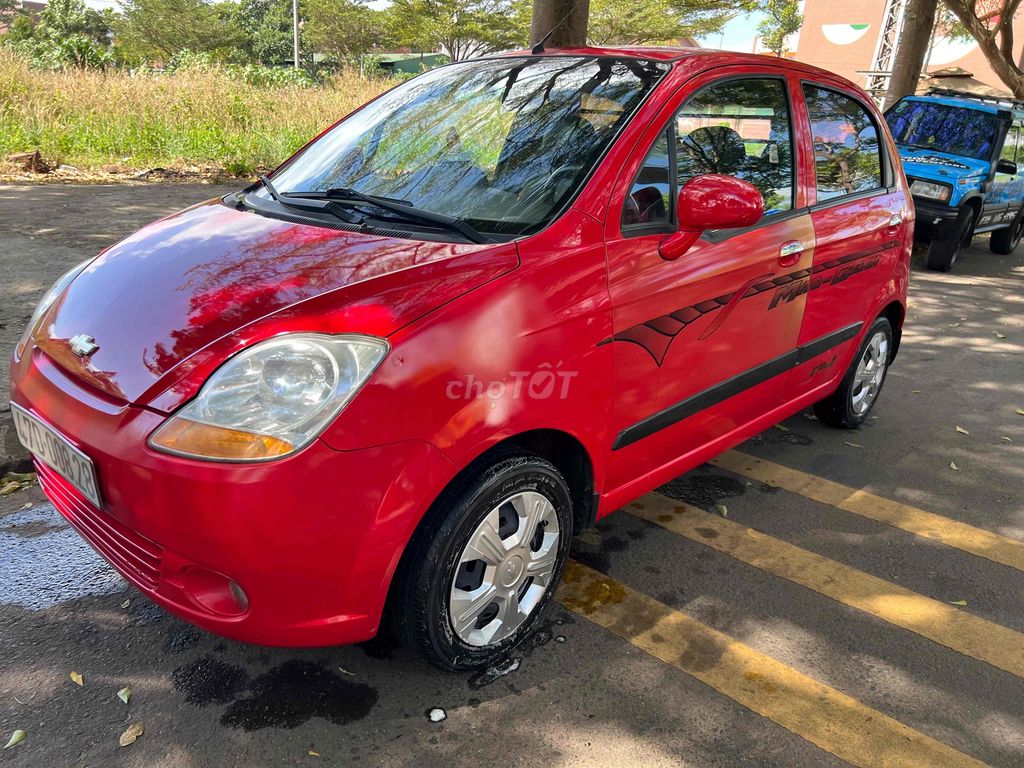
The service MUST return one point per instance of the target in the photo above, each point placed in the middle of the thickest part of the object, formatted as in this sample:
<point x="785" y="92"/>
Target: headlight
<point x="930" y="190"/>
<point x="47" y="301"/>
<point x="273" y="398"/>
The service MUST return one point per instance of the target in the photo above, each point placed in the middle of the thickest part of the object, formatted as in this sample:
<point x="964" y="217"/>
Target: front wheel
<point x="481" y="569"/>
<point x="942" y="254"/>
<point x="849" y="405"/>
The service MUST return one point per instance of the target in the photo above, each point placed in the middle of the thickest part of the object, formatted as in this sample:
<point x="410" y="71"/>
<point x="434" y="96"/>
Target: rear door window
<point x="847" y="156"/>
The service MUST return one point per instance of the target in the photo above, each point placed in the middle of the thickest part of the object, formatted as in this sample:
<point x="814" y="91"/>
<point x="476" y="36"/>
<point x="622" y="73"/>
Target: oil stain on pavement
<point x="286" y="696"/>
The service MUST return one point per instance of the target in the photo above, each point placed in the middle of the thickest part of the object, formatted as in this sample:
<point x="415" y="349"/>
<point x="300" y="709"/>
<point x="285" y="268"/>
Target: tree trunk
<point x="911" y="49"/>
<point x="572" y="33"/>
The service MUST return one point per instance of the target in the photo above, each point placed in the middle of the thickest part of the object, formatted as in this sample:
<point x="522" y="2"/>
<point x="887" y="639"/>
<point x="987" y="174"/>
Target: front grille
<point x="127" y="550"/>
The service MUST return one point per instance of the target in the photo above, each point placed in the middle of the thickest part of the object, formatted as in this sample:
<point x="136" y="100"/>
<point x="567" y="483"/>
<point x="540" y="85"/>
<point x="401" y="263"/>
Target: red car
<point x="484" y="310"/>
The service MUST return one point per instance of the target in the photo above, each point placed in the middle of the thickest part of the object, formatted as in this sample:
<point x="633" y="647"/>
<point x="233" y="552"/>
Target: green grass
<point x="194" y="117"/>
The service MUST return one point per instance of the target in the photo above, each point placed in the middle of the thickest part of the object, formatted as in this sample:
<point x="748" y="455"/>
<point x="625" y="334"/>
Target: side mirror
<point x="714" y="201"/>
<point x="1006" y="166"/>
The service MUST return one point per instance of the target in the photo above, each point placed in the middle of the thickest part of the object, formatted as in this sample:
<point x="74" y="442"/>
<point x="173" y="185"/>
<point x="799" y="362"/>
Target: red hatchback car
<point x="482" y="311"/>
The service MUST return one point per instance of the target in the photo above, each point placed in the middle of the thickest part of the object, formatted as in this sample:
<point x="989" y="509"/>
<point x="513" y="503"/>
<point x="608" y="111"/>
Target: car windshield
<point x="954" y="130"/>
<point x="502" y="144"/>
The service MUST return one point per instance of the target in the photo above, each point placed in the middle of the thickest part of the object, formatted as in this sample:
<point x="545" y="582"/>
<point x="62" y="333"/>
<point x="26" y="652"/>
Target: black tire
<point x="1005" y="241"/>
<point x="420" y="610"/>
<point x="840" y="409"/>
<point x="942" y="254"/>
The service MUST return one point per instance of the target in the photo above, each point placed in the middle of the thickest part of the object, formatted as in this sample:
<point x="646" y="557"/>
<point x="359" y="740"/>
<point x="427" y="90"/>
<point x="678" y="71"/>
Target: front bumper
<point x="934" y="221"/>
<point x="312" y="539"/>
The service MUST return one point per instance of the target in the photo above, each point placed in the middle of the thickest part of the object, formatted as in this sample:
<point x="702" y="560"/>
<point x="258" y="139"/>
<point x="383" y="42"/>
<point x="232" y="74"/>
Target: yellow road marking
<point x="933" y="619"/>
<point x="965" y="537"/>
<point x="812" y="710"/>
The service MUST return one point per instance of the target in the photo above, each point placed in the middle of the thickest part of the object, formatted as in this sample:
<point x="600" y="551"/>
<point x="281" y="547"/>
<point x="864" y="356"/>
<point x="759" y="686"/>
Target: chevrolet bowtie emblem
<point x="82" y="344"/>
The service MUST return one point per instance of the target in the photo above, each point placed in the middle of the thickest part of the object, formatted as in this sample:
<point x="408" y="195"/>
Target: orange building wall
<point x="815" y="48"/>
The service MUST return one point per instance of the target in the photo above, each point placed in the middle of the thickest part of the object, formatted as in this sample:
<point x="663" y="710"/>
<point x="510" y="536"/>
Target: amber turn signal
<point x="193" y="438"/>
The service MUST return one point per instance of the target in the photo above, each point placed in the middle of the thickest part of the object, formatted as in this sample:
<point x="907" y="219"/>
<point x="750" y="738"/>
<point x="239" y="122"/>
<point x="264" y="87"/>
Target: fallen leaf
<point x="16" y="738"/>
<point x="27" y="506"/>
<point x="722" y="510"/>
<point x="953" y="466"/>
<point x="1004" y="437"/>
<point x="345" y="671"/>
<point x="126" y="603"/>
<point x="313" y="753"/>
<point x="958" y="602"/>
<point x="1020" y="411"/>
<point x="954" y="325"/>
<point x="124" y="694"/>
<point x="782" y="428"/>
<point x="962" y="431"/>
<point x="76" y="678"/>
<point x="131" y="734"/>
<point x="852" y="445"/>
<point x="9" y="488"/>
<point x="915" y="391"/>
<point x="1000" y="335"/>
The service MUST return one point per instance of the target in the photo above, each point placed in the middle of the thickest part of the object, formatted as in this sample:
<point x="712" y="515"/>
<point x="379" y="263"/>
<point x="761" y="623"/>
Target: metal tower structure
<point x="885" y="47"/>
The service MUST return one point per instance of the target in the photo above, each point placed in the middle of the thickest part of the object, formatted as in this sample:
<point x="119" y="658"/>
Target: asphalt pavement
<point x="812" y="598"/>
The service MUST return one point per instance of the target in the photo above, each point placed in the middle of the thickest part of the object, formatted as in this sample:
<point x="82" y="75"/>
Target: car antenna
<point x="539" y="47"/>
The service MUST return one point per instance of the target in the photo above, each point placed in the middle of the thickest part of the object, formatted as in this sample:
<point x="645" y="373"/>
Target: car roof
<point x="992" y="107"/>
<point x="672" y="54"/>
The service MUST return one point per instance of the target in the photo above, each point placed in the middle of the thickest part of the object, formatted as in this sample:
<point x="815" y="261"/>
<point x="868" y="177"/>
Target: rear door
<point x="860" y="216"/>
<point x="699" y="345"/>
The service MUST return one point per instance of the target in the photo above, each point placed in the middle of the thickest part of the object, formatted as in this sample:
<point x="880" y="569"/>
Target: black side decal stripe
<point x="734" y="386"/>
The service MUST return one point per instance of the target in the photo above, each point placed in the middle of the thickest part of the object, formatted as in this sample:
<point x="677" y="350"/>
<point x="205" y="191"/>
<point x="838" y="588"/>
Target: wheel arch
<point x="895" y="313"/>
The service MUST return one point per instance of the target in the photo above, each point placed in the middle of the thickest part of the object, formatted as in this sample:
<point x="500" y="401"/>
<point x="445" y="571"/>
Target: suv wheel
<point x="942" y="253"/>
<point x="478" y="574"/>
<point x="1004" y="241"/>
<point x="849" y="405"/>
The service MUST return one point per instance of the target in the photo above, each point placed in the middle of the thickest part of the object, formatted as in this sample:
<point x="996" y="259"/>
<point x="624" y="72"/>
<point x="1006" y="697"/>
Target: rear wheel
<point x="849" y="405"/>
<point x="479" y="573"/>
<point x="942" y="254"/>
<point x="1004" y="241"/>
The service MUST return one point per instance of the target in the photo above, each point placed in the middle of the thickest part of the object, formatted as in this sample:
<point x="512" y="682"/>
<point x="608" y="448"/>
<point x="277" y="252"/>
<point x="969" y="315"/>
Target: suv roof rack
<point x="1007" y="101"/>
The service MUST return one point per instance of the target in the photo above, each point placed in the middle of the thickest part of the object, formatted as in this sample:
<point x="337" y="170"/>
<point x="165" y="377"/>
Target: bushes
<point x="239" y="118"/>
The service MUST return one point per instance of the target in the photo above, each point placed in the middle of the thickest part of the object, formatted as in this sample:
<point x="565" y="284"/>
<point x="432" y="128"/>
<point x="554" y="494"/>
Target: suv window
<point x="739" y="128"/>
<point x="1010" y="145"/>
<point x="650" y="198"/>
<point x="847" y="157"/>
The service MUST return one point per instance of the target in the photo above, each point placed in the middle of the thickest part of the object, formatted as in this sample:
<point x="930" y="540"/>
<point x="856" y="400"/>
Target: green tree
<point x="782" y="18"/>
<point x="68" y="34"/>
<point x="344" y="29"/>
<point x="460" y="28"/>
<point x="159" y="29"/>
<point x="8" y="11"/>
<point x="628" y="22"/>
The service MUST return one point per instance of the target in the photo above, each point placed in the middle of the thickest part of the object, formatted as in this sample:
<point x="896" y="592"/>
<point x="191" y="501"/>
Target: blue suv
<point x="959" y="152"/>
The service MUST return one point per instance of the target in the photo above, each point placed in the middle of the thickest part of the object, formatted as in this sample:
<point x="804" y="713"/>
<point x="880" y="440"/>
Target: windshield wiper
<point x="319" y="206"/>
<point x="402" y="208"/>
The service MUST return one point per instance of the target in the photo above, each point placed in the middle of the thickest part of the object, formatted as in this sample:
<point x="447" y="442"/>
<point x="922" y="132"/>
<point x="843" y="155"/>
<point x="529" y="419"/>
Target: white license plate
<point x="47" y="444"/>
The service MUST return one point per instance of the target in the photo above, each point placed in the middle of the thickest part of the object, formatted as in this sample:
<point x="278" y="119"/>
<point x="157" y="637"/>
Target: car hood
<point x="931" y="164"/>
<point x="190" y="289"/>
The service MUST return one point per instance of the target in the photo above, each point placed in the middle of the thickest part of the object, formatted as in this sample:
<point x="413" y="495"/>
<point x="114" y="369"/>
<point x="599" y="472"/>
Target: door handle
<point x="789" y="253"/>
<point x="895" y="220"/>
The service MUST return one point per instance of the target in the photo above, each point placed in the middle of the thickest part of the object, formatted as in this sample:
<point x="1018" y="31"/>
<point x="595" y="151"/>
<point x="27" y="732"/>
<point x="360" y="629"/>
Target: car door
<point x="1001" y="197"/>
<point x="700" y="342"/>
<point x="859" y="216"/>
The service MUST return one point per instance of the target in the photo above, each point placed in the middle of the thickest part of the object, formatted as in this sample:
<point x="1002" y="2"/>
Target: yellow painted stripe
<point x="814" y="711"/>
<point x="965" y="537"/>
<point x="943" y="623"/>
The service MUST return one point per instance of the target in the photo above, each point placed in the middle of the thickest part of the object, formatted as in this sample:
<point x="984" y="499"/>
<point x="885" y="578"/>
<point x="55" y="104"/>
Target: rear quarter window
<point x="847" y="155"/>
